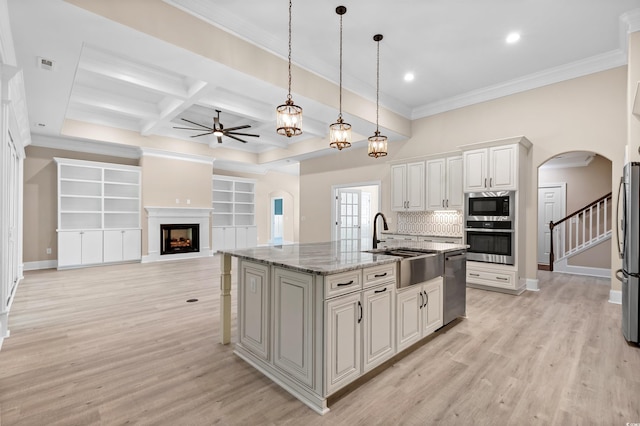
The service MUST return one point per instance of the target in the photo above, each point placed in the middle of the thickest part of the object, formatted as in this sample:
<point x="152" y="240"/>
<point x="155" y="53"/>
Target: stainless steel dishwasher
<point x="455" y="285"/>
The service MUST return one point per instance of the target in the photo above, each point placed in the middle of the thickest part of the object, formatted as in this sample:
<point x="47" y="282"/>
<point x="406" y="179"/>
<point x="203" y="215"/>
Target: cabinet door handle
<point x="502" y="278"/>
<point x="380" y="275"/>
<point x="381" y="291"/>
<point x="447" y="203"/>
<point x="421" y="300"/>
<point x="474" y="275"/>
<point x="343" y="284"/>
<point x="485" y="182"/>
<point x="442" y="203"/>
<point x="427" y="296"/>
<point x="360" y="306"/>
<point x="490" y="182"/>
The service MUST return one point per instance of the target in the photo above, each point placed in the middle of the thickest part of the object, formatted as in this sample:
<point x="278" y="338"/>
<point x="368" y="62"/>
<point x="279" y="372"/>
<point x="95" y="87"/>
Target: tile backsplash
<point x="445" y="223"/>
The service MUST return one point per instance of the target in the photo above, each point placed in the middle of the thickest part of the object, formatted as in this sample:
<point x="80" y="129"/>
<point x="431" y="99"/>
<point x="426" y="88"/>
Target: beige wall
<point x="40" y="213"/>
<point x="586" y="113"/>
<point x="584" y="185"/>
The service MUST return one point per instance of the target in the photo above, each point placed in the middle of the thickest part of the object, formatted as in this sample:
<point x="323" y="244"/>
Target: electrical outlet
<point x="177" y="200"/>
<point x="48" y="250"/>
<point x="188" y="201"/>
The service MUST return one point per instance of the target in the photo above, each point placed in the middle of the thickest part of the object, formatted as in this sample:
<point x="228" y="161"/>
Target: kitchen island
<point x="315" y="317"/>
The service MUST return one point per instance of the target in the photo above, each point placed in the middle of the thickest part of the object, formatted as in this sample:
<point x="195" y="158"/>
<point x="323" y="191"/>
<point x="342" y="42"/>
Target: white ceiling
<point x="107" y="73"/>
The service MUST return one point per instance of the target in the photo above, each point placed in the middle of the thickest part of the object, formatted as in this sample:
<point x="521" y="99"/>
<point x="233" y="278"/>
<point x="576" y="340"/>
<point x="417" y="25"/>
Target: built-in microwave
<point x="490" y="206"/>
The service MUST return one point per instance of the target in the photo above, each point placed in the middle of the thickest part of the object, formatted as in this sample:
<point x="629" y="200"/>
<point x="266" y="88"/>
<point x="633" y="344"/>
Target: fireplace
<point x="179" y="238"/>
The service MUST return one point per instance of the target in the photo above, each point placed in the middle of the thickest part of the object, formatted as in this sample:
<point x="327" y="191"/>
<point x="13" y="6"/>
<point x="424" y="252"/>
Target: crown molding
<point x="84" y="145"/>
<point x="570" y="71"/>
<point x="7" y="50"/>
<point x="152" y="152"/>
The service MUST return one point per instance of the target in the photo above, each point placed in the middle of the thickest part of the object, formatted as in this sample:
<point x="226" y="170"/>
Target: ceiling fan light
<point x="289" y="119"/>
<point x="218" y="133"/>
<point x="340" y="134"/>
<point x="377" y="145"/>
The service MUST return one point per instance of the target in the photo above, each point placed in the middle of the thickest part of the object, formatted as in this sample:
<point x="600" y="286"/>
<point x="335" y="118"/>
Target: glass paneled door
<point x="348" y="219"/>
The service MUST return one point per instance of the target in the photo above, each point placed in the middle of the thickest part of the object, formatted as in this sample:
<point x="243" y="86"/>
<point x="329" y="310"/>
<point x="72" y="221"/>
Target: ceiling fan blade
<point x="188" y="128"/>
<point x="202" y="134"/>
<point x="241" y="134"/>
<point x="197" y="124"/>
<point x="246" y="126"/>
<point x="219" y="139"/>
<point x="233" y="137"/>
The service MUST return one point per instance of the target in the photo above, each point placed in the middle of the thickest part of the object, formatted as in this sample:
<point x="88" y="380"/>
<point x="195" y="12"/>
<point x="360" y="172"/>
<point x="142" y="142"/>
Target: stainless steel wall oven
<point x="489" y="227"/>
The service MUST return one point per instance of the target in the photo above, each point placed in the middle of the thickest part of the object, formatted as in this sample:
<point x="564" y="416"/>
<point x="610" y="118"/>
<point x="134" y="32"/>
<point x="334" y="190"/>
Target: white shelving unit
<point x="98" y="213"/>
<point x="234" y="213"/>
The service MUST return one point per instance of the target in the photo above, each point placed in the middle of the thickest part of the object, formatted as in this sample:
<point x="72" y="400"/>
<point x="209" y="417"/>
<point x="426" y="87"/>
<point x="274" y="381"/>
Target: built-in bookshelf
<point x="94" y="198"/>
<point x="234" y="212"/>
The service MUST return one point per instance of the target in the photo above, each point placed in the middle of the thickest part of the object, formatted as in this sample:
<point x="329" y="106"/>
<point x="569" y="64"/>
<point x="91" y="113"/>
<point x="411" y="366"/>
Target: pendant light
<point x="377" y="142"/>
<point x="289" y="115"/>
<point x="340" y="132"/>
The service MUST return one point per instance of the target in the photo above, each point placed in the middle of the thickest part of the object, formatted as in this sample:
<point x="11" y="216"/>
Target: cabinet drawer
<point x="342" y="283"/>
<point x="492" y="278"/>
<point x="379" y="274"/>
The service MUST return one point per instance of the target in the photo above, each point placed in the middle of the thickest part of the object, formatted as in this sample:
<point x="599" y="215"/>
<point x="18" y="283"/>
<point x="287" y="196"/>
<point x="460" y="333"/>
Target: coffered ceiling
<point x="94" y="67"/>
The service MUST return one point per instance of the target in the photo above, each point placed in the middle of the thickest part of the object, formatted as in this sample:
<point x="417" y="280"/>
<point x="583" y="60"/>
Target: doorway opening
<point x="352" y="214"/>
<point x="277" y="220"/>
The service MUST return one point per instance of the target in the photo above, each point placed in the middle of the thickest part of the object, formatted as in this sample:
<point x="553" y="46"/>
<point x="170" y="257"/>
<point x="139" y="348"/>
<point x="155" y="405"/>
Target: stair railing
<point x="573" y="231"/>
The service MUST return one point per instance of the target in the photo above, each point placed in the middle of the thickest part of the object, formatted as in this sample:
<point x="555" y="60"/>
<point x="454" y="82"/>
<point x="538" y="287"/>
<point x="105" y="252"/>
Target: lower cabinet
<point x="500" y="277"/>
<point x="419" y="312"/>
<point x="78" y="248"/>
<point x="246" y="236"/>
<point x="233" y="237"/>
<point x="253" y="307"/>
<point x="122" y="245"/>
<point x="359" y="333"/>
<point x="94" y="247"/>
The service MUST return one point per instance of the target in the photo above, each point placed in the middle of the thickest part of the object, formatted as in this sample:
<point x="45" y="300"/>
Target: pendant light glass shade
<point x="289" y="115"/>
<point x="377" y="142"/>
<point x="340" y="132"/>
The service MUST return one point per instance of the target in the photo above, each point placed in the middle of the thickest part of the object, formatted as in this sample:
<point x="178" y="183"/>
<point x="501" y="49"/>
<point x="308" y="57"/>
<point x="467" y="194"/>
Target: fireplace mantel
<point x="157" y="216"/>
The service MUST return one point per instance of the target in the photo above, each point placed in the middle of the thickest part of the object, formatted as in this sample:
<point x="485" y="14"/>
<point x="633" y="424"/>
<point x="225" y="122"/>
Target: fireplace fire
<point x="182" y="238"/>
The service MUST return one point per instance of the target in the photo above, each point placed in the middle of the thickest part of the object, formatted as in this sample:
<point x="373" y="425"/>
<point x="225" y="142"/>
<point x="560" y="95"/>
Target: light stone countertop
<point x="331" y="257"/>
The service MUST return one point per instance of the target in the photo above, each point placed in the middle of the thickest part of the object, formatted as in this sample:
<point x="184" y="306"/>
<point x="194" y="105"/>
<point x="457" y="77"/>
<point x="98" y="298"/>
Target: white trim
<point x="333" y="202"/>
<point x="40" y="264"/>
<point x="85" y="145"/>
<point x="597" y="63"/>
<point x="152" y="152"/>
<point x="112" y="166"/>
<point x="563" y="267"/>
<point x="615" y="297"/>
<point x="7" y="50"/>
<point x="532" y="284"/>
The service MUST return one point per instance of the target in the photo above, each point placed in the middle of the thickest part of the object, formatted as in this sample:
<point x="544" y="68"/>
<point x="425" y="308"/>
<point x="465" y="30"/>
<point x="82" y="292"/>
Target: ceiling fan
<point x="218" y="129"/>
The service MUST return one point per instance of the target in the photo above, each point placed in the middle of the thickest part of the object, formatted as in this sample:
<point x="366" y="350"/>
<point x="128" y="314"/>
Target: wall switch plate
<point x="177" y="200"/>
<point x="188" y="201"/>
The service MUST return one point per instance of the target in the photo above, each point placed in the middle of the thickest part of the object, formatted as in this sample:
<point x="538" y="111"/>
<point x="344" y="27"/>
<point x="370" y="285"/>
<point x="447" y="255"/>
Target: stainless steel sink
<point x="415" y="266"/>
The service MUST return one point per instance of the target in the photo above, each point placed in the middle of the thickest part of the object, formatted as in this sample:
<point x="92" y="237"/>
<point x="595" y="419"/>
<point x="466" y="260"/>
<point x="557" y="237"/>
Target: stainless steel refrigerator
<point x="629" y="247"/>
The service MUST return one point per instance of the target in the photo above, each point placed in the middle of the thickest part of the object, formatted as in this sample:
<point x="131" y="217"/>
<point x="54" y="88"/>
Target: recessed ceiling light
<point x="409" y="76"/>
<point x="513" y="38"/>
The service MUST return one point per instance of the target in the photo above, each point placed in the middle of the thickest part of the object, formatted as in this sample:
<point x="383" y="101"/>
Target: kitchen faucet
<point x="375" y="232"/>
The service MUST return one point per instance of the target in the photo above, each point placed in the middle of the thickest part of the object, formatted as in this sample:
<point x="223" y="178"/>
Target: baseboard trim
<point x="615" y="297"/>
<point x="156" y="257"/>
<point x="563" y="267"/>
<point x="40" y="264"/>
<point x="532" y="284"/>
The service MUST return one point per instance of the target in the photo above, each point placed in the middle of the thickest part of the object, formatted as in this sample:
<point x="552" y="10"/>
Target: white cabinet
<point x="378" y="337"/>
<point x="449" y="240"/>
<point x="344" y="316"/>
<point x="100" y="202"/>
<point x="253" y="298"/>
<point x="491" y="169"/>
<point x="293" y="331"/>
<point x="233" y="202"/>
<point x="246" y="236"/>
<point x="122" y="245"/>
<point x="444" y="183"/>
<point x="419" y="312"/>
<point x="407" y="186"/>
<point x="224" y="237"/>
<point x="79" y="248"/>
<point x="500" y="277"/>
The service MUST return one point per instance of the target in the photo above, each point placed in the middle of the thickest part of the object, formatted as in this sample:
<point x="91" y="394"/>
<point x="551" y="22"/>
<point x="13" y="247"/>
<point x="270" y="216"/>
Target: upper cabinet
<point x="407" y="186"/>
<point x="494" y="168"/>
<point x="444" y="183"/>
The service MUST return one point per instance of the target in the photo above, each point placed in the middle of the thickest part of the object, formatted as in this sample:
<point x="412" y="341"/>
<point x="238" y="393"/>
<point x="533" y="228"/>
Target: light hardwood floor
<point x="119" y="344"/>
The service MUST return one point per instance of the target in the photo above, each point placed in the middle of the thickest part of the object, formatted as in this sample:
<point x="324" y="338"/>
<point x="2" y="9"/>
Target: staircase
<point x="580" y="230"/>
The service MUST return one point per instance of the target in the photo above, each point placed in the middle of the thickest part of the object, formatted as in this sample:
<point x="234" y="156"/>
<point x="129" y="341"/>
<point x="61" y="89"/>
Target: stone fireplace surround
<point x="157" y="216"/>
